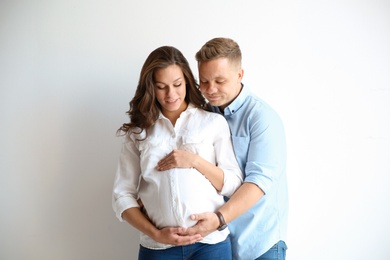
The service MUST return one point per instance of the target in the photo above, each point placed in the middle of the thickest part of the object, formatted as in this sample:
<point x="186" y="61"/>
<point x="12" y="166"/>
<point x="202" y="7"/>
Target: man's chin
<point x="214" y="103"/>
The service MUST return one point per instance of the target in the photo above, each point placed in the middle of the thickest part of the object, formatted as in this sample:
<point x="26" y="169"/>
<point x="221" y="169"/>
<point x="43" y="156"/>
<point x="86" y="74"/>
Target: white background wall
<point x="68" y="69"/>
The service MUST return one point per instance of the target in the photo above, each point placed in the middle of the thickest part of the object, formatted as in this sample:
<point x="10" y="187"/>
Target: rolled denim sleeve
<point x="266" y="151"/>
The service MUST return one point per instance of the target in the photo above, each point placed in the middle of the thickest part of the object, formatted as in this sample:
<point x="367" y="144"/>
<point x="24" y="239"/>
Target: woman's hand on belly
<point x="177" y="159"/>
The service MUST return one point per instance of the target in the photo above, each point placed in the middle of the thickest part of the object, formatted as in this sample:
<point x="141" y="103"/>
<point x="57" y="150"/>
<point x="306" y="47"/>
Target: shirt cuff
<point x="121" y="204"/>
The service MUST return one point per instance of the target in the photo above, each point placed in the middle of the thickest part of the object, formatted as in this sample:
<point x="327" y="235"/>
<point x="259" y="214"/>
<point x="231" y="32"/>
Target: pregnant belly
<point x="170" y="197"/>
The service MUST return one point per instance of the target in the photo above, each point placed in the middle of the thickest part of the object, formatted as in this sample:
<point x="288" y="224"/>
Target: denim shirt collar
<point x="237" y="102"/>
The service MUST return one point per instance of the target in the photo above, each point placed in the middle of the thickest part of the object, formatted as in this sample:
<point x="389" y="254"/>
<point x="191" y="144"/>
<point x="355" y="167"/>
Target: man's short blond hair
<point x="220" y="48"/>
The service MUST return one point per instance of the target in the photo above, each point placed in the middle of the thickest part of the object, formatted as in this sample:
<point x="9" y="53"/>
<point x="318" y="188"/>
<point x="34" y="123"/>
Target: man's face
<point x="220" y="81"/>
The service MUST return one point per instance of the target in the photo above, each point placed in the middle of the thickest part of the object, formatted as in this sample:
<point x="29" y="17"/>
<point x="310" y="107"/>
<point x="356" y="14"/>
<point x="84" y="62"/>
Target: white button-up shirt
<point x="171" y="196"/>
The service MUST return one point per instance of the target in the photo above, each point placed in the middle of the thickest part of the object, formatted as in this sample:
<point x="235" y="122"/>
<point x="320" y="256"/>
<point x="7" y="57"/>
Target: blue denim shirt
<point x="260" y="148"/>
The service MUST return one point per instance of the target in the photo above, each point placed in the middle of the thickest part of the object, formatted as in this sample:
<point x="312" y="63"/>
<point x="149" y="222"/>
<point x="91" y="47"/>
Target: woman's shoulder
<point x="212" y="119"/>
<point x="209" y="114"/>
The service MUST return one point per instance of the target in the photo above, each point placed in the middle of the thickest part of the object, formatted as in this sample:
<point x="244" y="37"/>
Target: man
<point x="257" y="212"/>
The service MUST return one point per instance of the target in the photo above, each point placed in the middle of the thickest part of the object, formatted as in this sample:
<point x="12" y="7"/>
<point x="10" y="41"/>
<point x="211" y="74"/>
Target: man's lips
<point x="212" y="97"/>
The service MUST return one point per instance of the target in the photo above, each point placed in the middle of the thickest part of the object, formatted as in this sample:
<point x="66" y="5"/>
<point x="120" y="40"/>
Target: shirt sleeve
<point x="225" y="157"/>
<point x="125" y="191"/>
<point x="267" y="149"/>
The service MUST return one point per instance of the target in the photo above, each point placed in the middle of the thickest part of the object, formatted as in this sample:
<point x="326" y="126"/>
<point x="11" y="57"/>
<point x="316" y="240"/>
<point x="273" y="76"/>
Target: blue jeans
<point x="197" y="251"/>
<point x="277" y="252"/>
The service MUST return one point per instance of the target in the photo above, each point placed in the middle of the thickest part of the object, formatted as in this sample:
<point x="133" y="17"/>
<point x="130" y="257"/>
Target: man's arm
<point x="242" y="200"/>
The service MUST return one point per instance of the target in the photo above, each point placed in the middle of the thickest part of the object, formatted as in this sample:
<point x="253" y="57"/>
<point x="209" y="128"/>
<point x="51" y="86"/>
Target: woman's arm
<point x="185" y="159"/>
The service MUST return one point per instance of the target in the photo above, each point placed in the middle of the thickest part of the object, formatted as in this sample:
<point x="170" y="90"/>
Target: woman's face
<point x="170" y="89"/>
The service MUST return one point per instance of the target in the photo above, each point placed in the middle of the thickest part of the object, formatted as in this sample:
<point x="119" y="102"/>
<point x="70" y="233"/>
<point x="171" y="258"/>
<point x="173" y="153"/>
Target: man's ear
<point x="240" y="74"/>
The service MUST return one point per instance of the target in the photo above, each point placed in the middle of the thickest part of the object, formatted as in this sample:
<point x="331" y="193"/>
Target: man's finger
<point x="197" y="217"/>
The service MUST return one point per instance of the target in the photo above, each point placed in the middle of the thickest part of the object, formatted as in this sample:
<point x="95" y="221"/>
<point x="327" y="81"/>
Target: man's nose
<point x="210" y="88"/>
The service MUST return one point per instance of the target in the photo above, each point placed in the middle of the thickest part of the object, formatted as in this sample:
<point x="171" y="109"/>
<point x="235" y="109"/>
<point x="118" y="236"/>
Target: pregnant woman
<point x="177" y="159"/>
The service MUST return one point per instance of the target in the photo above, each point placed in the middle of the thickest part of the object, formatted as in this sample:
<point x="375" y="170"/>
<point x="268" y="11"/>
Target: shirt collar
<point x="190" y="109"/>
<point x="237" y="102"/>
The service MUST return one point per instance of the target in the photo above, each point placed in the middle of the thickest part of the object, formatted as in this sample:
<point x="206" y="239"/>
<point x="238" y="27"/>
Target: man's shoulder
<point x="254" y="104"/>
<point x="258" y="110"/>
